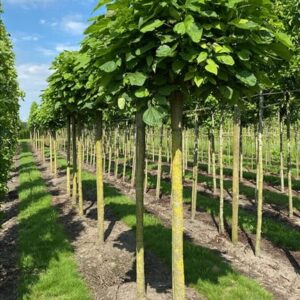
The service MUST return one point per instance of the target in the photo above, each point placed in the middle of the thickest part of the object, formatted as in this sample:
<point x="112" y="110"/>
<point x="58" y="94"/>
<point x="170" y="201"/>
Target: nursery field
<point x="162" y="158"/>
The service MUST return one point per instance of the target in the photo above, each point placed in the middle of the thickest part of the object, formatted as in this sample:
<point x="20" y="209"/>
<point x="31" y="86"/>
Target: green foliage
<point x="9" y="106"/>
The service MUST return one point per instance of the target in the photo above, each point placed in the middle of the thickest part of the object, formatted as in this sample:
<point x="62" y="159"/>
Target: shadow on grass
<point x="45" y="253"/>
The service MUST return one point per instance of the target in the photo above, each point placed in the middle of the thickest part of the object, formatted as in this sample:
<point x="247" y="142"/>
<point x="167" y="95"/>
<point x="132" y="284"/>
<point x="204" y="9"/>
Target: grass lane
<point x="48" y="268"/>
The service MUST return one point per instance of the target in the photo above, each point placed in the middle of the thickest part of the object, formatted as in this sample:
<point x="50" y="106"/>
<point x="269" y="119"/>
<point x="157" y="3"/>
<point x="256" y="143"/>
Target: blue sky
<point x="40" y="30"/>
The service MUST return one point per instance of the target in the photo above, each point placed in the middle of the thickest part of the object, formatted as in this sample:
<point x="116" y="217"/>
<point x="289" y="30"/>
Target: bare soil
<point x="108" y="270"/>
<point x="8" y="234"/>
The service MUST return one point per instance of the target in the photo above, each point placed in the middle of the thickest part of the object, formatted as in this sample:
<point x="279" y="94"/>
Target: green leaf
<point x="247" y="78"/>
<point x="165" y="51"/>
<point x="212" y="67"/>
<point x="109" y="67"/>
<point x="152" y="26"/>
<point x="244" y="55"/>
<point x="177" y="66"/>
<point x="199" y="80"/>
<point x="136" y="79"/>
<point x="226" y="92"/>
<point x="121" y="103"/>
<point x="180" y="28"/>
<point x="202" y="57"/>
<point x="244" y="24"/>
<point x="152" y="117"/>
<point x="192" y="29"/>
<point x="284" y="39"/>
<point x="142" y="93"/>
<point x="226" y="60"/>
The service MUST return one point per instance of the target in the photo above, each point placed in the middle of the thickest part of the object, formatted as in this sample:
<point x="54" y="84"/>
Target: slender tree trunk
<point x="195" y="168"/>
<point x="289" y="162"/>
<point x="159" y="166"/>
<point x="241" y="155"/>
<point x="69" y="156"/>
<point x="178" y="287"/>
<point x="55" y="154"/>
<point x="260" y="179"/>
<point x="209" y="152"/>
<point x="51" y="153"/>
<point x="281" y="152"/>
<point x="139" y="190"/>
<point x="99" y="174"/>
<point x="125" y="156"/>
<point x="296" y="150"/>
<point x="133" y="171"/>
<point x="235" y="177"/>
<point x="74" y="150"/>
<point x="213" y="156"/>
<point x="79" y="173"/>
<point x="117" y="152"/>
<point x="221" y="210"/>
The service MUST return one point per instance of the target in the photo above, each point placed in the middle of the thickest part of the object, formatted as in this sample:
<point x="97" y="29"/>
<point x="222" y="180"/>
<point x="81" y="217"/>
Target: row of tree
<point x="9" y="105"/>
<point x="152" y="60"/>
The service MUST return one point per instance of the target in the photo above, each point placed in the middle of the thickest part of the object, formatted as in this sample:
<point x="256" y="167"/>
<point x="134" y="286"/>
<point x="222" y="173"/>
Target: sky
<point x="40" y="30"/>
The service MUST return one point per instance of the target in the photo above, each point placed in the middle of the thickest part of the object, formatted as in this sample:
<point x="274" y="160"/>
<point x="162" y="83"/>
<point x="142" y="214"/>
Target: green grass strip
<point x="46" y="260"/>
<point x="205" y="270"/>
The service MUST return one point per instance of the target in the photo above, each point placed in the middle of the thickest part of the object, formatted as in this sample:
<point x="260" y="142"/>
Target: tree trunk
<point x="195" y="168"/>
<point x="213" y="156"/>
<point x="99" y="174"/>
<point x="55" y="154"/>
<point x="178" y="287"/>
<point x="139" y="190"/>
<point x="74" y="190"/>
<point x="79" y="173"/>
<point x="68" y="156"/>
<point x="159" y="166"/>
<point x="289" y="162"/>
<point x="260" y="178"/>
<point x="51" y="153"/>
<point x="235" y="175"/>
<point x="221" y="210"/>
<point x="281" y="152"/>
<point x="241" y="155"/>
<point x="296" y="150"/>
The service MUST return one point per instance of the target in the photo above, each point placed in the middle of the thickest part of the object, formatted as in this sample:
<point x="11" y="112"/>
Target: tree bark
<point x="195" y="168"/>
<point x="281" y="152"/>
<point x="235" y="177"/>
<point x="260" y="178"/>
<point x="178" y="287"/>
<point x="221" y="209"/>
<point x="99" y="174"/>
<point x="139" y="190"/>
<point x="289" y="161"/>
<point x="68" y="156"/>
<point x="79" y="173"/>
<point x="74" y="189"/>
<point x="159" y="166"/>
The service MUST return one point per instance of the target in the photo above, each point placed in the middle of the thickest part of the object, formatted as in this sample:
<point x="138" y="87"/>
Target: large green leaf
<point x="202" y="57"/>
<point x="284" y="39"/>
<point x="109" y="66"/>
<point x="192" y="29"/>
<point x="135" y="79"/>
<point x="226" y="60"/>
<point x="244" y="24"/>
<point x="212" y="67"/>
<point x="165" y="51"/>
<point x="153" y="117"/>
<point x="142" y="92"/>
<point x="246" y="77"/>
<point x="152" y="26"/>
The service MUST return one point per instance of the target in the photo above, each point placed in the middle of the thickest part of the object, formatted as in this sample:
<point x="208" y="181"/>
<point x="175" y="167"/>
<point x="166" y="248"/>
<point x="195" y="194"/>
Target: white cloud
<point x="73" y="24"/>
<point x="30" y="3"/>
<point x="33" y="79"/>
<point x="56" y="49"/>
<point x="30" y="38"/>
